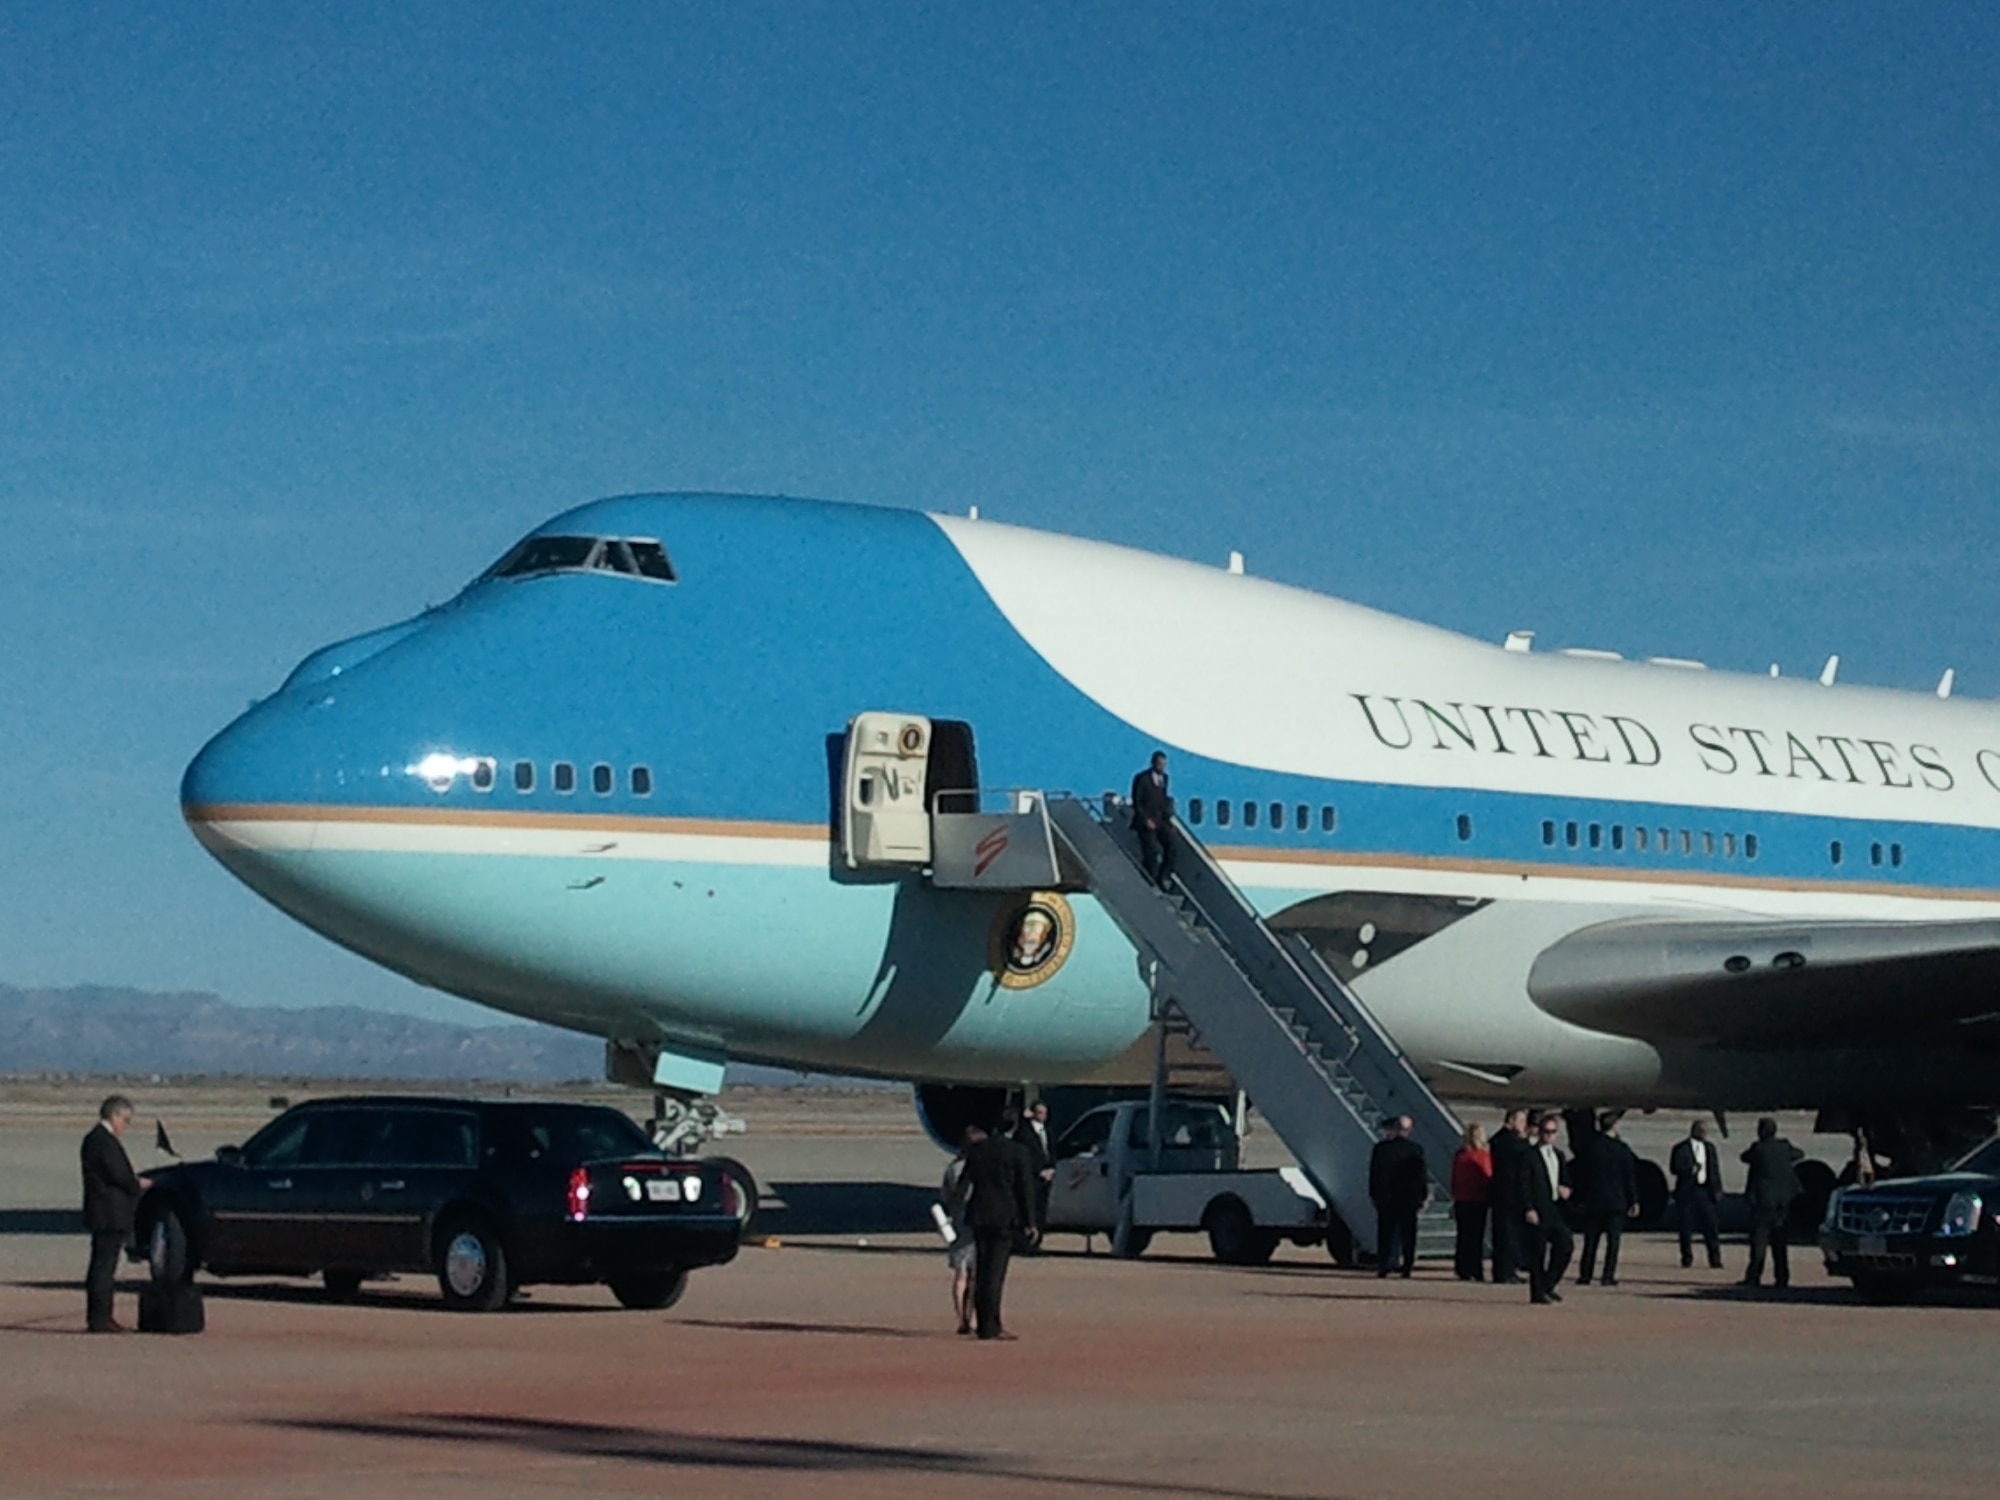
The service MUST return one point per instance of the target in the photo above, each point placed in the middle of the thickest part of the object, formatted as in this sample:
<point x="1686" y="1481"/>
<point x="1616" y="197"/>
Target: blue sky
<point x="1671" y="331"/>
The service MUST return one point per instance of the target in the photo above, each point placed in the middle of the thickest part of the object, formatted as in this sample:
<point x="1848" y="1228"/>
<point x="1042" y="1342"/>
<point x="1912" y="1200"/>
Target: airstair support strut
<point x="1302" y="1044"/>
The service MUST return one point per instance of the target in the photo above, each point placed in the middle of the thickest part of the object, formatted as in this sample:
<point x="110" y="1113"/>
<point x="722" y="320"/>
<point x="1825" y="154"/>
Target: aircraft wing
<point x="1764" y="983"/>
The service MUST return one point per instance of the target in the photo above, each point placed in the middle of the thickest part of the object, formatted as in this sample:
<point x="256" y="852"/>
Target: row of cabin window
<point x="1301" y="815"/>
<point x="562" y="777"/>
<point x="1593" y="835"/>
<point x="1838" y="854"/>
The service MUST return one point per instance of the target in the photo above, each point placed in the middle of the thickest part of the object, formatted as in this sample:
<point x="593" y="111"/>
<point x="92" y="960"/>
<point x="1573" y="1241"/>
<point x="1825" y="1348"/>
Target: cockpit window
<point x="651" y="558"/>
<point x="578" y="554"/>
<point x="613" y="558"/>
<point x="544" y="554"/>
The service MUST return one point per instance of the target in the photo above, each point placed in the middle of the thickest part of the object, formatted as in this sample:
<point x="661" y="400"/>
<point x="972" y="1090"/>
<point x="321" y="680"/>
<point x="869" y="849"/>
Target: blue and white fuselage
<point x="601" y="790"/>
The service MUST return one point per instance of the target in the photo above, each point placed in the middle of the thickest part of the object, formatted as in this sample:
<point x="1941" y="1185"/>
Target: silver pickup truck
<point x="1108" y="1180"/>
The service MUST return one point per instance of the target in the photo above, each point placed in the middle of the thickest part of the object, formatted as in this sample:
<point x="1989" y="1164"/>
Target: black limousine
<point x="1908" y="1233"/>
<point x="489" y="1196"/>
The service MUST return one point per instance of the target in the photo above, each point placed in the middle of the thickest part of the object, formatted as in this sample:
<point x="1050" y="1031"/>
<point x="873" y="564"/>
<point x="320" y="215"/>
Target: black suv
<point x="1908" y="1233"/>
<point x="490" y="1196"/>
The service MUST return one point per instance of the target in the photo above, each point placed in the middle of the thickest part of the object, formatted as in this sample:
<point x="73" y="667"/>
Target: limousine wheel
<point x="649" y="1290"/>
<point x="472" y="1267"/>
<point x="167" y="1249"/>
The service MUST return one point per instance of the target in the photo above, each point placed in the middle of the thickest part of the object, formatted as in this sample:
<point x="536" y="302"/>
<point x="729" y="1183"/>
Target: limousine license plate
<point x="664" y="1190"/>
<point x="1871" y="1244"/>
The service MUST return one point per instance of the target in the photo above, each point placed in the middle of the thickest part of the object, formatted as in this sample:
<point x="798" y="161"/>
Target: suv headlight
<point x="1832" y="1216"/>
<point x="1961" y="1215"/>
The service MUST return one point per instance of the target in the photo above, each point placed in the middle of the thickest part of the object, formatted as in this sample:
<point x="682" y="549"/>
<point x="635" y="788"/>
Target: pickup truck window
<point x="1183" y="1128"/>
<point x="1087" y="1136"/>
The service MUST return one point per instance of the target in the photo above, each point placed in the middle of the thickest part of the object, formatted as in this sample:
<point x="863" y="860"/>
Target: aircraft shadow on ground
<point x="845" y="1208"/>
<point x="1842" y="1296"/>
<point x="65" y="1221"/>
<point x="602" y="1442"/>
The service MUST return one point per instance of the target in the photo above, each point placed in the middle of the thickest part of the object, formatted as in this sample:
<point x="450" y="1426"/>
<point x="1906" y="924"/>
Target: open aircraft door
<point x="885" y="819"/>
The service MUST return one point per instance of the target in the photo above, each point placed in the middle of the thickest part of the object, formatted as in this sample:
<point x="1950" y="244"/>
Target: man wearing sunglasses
<point x="1544" y="1187"/>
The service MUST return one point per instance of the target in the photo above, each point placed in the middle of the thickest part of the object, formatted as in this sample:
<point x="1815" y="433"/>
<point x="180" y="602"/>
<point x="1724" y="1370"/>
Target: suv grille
<point x="1875" y="1213"/>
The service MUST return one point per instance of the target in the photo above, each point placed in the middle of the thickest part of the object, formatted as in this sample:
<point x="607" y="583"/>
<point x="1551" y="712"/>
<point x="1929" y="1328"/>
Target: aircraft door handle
<point x="395" y="1186"/>
<point x="279" y="1183"/>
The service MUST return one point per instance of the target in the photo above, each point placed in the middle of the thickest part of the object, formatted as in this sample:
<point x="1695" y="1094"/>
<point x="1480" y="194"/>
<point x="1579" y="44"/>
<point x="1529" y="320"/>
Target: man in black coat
<point x="1543" y="1190"/>
<point x="1697" y="1170"/>
<point x="1152" y="813"/>
<point x="111" y="1192"/>
<point x="1399" y="1184"/>
<point x="1001" y="1189"/>
<point x="1609" y="1195"/>
<point x="1509" y="1141"/>
<point x="1773" y="1184"/>
<point x="1033" y="1136"/>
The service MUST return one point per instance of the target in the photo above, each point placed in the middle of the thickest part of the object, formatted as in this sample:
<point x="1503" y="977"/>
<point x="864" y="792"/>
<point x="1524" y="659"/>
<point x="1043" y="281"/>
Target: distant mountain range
<point x="92" y="1029"/>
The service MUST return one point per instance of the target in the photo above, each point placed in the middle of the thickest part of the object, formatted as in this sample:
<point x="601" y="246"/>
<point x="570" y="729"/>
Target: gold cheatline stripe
<point x="1249" y="854"/>
<point x="445" y="817"/>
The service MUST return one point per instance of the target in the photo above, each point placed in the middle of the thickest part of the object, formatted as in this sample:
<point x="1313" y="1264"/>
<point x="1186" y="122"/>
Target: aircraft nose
<point x="236" y="793"/>
<point x="244" y="765"/>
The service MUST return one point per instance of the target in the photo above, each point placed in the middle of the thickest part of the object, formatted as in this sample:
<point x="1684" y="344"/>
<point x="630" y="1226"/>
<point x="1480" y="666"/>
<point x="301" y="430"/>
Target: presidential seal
<point x="1031" y="939"/>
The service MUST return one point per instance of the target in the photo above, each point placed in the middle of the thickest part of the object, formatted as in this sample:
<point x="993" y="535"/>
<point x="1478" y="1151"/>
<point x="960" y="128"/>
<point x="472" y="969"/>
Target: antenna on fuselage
<point x="1944" y="682"/>
<point x="1236" y="562"/>
<point x="1774" y="669"/>
<point x="1830" y="671"/>
<point x="972" y="513"/>
<point x="1520" y="640"/>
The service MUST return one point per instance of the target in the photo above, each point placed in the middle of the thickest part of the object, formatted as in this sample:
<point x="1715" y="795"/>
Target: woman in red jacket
<point x="1471" y="1191"/>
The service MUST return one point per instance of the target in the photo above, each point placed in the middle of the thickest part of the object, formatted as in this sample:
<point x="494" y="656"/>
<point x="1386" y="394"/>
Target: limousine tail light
<point x="579" y="1194"/>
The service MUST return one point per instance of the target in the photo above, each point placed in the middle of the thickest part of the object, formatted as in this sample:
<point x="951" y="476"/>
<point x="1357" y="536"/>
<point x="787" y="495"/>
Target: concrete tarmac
<point x="828" y="1365"/>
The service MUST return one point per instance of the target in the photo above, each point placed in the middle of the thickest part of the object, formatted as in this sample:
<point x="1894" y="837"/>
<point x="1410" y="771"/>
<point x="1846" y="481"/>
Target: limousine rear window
<point x="635" y="558"/>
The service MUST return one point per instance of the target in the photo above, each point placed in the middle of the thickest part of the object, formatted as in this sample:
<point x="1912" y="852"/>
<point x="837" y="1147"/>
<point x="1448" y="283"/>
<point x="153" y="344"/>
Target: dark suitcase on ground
<point x="171" y="1309"/>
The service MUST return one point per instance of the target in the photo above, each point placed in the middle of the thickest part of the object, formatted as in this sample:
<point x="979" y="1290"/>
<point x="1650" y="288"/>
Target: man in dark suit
<point x="1543" y="1191"/>
<point x="1697" y="1171"/>
<point x="1773" y="1184"/>
<point x="1001" y="1190"/>
<point x="1152" y="814"/>
<point x="111" y="1192"/>
<point x="1608" y="1194"/>
<point x="1509" y="1141"/>
<point x="1033" y="1137"/>
<point x="1399" y="1183"/>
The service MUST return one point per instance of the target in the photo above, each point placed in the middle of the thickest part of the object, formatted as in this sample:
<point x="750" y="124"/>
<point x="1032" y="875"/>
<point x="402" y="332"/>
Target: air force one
<point x="665" y="774"/>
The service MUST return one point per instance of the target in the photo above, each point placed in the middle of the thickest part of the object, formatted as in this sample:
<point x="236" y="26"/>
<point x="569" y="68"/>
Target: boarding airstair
<point x="1303" y="1046"/>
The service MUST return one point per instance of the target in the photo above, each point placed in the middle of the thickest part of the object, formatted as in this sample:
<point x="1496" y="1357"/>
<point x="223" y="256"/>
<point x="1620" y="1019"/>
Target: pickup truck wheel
<point x="1339" y="1242"/>
<point x="649" y="1290"/>
<point x="472" y="1266"/>
<point x="1136" y="1241"/>
<point x="167" y="1255"/>
<point x="1233" y="1236"/>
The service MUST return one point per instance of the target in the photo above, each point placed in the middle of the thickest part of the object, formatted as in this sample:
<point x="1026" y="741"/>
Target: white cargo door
<point x="884" y="820"/>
